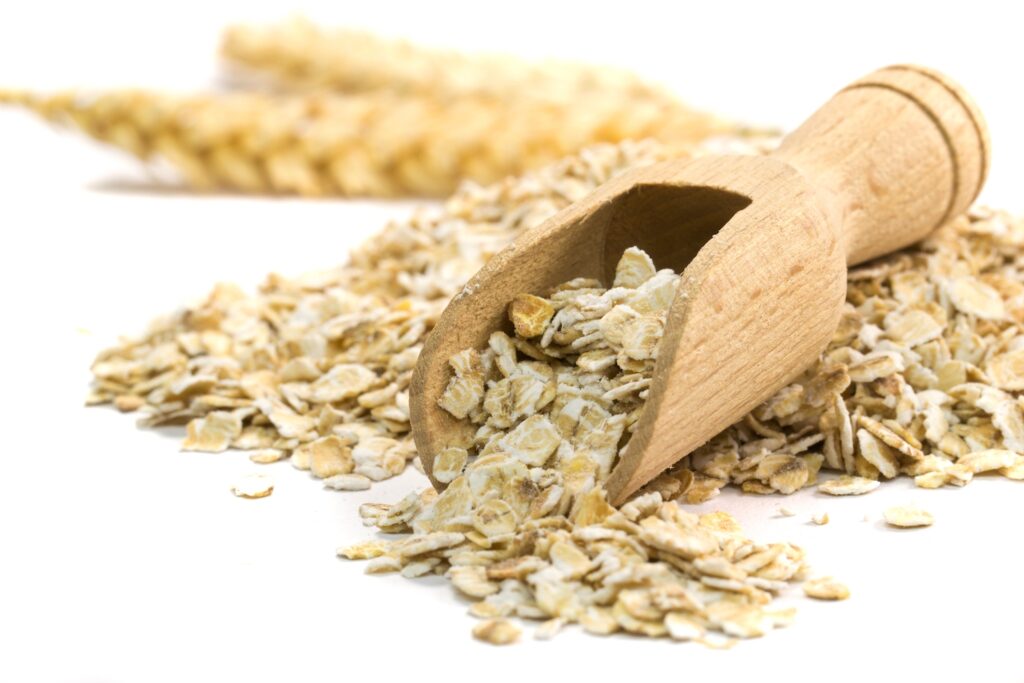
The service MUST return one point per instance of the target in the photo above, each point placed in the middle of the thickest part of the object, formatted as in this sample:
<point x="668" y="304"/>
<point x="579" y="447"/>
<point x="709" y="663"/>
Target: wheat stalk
<point x="299" y="54"/>
<point x="375" y="144"/>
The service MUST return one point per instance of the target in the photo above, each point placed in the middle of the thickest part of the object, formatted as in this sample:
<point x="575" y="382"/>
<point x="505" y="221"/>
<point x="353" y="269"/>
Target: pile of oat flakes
<point x="922" y="379"/>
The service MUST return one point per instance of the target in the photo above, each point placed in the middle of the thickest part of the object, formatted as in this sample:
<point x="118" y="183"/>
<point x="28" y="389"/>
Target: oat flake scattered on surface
<point x="826" y="589"/>
<point x="253" y="486"/>
<point x="908" y="517"/>
<point x="497" y="632"/>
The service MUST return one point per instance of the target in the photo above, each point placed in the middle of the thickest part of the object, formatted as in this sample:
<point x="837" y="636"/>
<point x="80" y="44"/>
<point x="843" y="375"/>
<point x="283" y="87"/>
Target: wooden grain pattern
<point x="763" y="244"/>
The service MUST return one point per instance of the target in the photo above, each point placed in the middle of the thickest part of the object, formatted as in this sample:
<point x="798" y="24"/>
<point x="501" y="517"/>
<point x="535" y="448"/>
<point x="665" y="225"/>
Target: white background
<point x="122" y="559"/>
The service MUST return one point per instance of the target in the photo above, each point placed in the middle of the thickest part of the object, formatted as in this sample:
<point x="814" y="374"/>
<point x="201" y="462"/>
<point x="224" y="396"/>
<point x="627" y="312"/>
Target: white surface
<point x="125" y="560"/>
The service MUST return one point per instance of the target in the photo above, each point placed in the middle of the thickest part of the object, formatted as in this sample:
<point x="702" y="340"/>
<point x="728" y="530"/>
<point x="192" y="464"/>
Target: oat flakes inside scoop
<point x="569" y="386"/>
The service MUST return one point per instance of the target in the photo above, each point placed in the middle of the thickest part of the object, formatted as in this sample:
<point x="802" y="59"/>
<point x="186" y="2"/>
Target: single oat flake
<point x="826" y="589"/>
<point x="497" y="632"/>
<point x="847" y="485"/>
<point x="253" y="486"/>
<point x="908" y="517"/>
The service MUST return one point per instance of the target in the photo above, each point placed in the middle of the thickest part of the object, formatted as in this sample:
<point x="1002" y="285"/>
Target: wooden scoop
<point x="765" y="243"/>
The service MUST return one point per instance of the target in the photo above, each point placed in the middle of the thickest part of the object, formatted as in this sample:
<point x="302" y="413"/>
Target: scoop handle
<point x="900" y="152"/>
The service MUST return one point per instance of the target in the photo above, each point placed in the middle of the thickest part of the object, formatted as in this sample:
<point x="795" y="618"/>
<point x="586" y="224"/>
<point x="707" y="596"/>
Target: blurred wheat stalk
<point x="354" y="114"/>
<point x="299" y="55"/>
